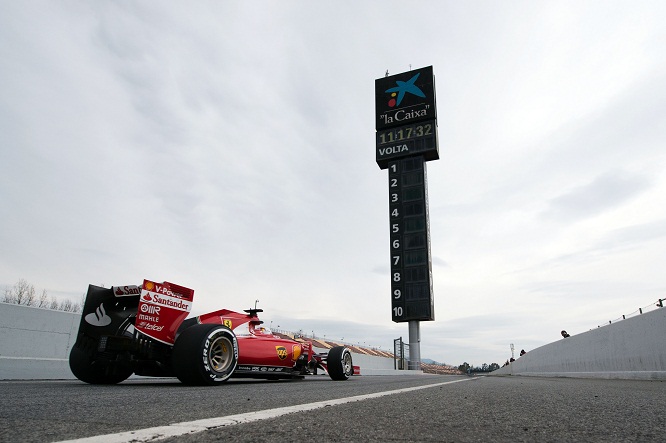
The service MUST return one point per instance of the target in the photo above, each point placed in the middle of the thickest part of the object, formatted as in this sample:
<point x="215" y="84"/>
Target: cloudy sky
<point x="229" y="147"/>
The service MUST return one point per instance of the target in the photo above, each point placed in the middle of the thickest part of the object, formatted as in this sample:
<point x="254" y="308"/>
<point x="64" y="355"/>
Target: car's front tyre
<point x="339" y="363"/>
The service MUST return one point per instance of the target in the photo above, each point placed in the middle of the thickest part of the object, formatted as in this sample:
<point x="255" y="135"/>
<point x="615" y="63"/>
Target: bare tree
<point x="43" y="300"/>
<point x="8" y="296"/>
<point x="22" y="293"/>
<point x="25" y="292"/>
<point x="66" y="305"/>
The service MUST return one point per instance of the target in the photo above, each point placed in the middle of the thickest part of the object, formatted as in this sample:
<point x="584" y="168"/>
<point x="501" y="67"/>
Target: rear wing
<point x="162" y="309"/>
<point x="154" y="309"/>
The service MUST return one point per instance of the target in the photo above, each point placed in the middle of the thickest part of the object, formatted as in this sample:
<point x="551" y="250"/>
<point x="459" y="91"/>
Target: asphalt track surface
<point x="445" y="409"/>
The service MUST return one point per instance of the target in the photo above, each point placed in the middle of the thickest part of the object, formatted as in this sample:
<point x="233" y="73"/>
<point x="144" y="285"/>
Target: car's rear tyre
<point x="339" y="363"/>
<point x="86" y="369"/>
<point x="205" y="355"/>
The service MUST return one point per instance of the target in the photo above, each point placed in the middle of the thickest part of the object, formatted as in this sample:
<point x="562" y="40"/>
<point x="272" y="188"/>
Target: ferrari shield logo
<point x="281" y="352"/>
<point x="226" y="322"/>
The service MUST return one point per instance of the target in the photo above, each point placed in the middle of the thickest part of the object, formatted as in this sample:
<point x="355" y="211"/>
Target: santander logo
<point x="125" y="291"/>
<point x="165" y="300"/>
<point x="99" y="317"/>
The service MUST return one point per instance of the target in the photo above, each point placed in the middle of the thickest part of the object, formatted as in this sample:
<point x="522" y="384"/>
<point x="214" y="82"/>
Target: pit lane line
<point x="192" y="427"/>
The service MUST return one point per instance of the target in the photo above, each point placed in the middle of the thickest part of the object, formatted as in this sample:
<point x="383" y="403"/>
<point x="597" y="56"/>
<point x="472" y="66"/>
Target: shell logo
<point x="148" y="285"/>
<point x="296" y="351"/>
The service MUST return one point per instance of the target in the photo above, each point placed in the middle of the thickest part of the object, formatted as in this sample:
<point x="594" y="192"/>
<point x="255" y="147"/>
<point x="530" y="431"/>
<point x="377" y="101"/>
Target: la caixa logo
<point x="405" y="98"/>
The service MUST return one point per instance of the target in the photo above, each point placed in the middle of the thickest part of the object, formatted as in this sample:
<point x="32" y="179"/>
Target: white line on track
<point x="191" y="427"/>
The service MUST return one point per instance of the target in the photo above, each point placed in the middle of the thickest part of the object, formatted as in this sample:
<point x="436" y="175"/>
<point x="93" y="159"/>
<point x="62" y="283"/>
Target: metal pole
<point x="414" y="345"/>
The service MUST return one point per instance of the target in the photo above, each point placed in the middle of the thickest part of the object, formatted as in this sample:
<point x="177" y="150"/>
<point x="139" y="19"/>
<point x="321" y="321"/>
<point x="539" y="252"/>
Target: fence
<point x="644" y="309"/>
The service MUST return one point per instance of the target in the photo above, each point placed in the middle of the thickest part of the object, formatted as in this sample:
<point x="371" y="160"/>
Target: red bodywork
<point x="256" y="346"/>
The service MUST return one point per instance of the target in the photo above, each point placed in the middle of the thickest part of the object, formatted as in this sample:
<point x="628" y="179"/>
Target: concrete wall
<point x="35" y="344"/>
<point x="634" y="348"/>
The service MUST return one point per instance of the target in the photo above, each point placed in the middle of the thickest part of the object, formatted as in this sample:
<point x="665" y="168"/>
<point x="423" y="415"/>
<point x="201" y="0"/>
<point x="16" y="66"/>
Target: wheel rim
<point x="347" y="363"/>
<point x="220" y="357"/>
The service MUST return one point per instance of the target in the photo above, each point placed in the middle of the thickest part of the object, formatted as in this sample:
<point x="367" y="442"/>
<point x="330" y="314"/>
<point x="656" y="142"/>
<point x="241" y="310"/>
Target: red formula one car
<point x="142" y="330"/>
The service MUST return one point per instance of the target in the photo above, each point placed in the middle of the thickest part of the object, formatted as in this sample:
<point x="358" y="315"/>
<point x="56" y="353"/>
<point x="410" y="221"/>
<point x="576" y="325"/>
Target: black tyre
<point x="339" y="363"/>
<point x="86" y="369"/>
<point x="205" y="355"/>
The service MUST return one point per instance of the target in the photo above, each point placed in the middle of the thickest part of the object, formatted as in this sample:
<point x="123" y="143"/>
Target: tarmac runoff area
<point x="444" y="408"/>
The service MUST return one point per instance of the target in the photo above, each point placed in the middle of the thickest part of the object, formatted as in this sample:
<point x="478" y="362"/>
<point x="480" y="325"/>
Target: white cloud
<point x="605" y="192"/>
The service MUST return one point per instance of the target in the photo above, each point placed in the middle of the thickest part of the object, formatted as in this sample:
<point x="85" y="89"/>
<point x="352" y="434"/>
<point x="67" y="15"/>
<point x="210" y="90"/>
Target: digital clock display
<point x="404" y="141"/>
<point x="405" y="133"/>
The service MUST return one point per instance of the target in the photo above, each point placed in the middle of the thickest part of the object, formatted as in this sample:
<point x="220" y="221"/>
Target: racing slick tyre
<point x="205" y="355"/>
<point x="339" y="363"/>
<point x="96" y="373"/>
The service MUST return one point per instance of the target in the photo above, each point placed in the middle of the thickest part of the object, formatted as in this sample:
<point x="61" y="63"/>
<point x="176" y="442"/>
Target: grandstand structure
<point x="328" y="344"/>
